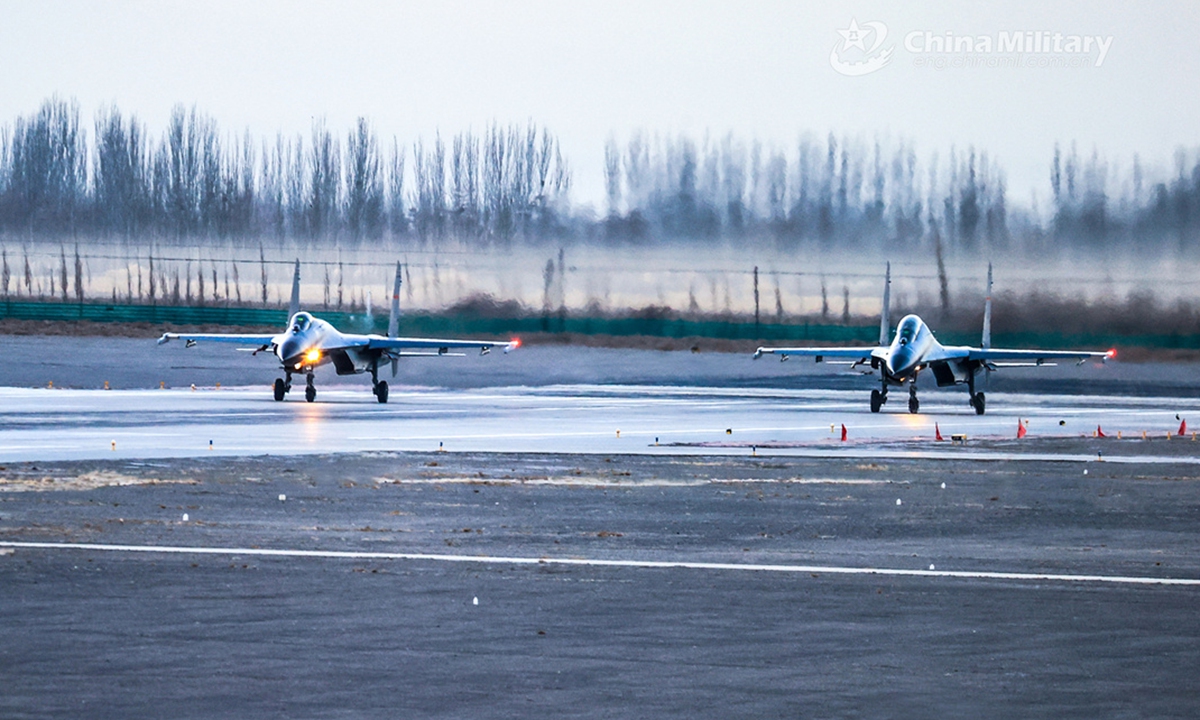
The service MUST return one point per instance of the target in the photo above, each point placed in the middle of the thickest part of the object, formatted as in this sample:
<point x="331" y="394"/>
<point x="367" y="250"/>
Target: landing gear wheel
<point x="310" y="392"/>
<point x="913" y="404"/>
<point x="381" y="391"/>
<point x="979" y="402"/>
<point x="280" y="389"/>
<point x="876" y="400"/>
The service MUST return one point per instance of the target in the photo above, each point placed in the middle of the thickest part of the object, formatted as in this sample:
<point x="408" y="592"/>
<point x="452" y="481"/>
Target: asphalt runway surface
<point x="540" y="399"/>
<point x="44" y="424"/>
<point x="324" y="560"/>
<point x="454" y="584"/>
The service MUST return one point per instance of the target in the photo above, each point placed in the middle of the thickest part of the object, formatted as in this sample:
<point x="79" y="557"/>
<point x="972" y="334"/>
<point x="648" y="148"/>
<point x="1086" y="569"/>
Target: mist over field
<point x="109" y="210"/>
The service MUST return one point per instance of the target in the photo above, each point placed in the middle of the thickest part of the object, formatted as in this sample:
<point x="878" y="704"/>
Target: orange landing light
<point x="312" y="356"/>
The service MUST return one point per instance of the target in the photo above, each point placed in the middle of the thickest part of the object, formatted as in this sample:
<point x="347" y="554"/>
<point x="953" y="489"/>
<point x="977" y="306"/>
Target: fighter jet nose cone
<point x="289" y="349"/>
<point x="900" y="362"/>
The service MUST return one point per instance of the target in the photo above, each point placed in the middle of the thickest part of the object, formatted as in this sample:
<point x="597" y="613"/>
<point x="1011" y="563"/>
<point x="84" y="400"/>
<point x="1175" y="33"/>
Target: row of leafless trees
<point x="1097" y="206"/>
<point x="512" y="183"/>
<point x="195" y="182"/>
<point x="839" y="192"/>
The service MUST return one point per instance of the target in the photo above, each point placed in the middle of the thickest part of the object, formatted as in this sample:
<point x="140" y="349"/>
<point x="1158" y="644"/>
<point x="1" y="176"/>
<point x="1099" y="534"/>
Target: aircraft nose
<point x="900" y="362"/>
<point x="289" y="349"/>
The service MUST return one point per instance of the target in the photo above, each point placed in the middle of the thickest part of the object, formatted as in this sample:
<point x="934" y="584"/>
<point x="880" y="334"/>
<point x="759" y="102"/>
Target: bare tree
<point x="324" y="185"/>
<point x="364" y="191"/>
<point x="397" y="216"/>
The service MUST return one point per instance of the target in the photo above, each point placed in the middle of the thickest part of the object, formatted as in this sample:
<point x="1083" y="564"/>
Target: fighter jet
<point x="915" y="349"/>
<point x="309" y="342"/>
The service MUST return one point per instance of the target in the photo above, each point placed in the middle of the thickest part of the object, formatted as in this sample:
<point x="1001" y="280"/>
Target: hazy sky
<point x="588" y="69"/>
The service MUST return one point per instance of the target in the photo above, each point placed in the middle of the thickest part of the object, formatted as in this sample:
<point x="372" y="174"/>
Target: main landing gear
<point x="913" y="403"/>
<point x="378" y="387"/>
<point x="381" y="391"/>
<point x="310" y="390"/>
<point x="978" y="401"/>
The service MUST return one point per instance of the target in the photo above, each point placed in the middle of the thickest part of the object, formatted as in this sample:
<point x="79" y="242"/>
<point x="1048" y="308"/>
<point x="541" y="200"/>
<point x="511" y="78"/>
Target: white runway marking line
<point x="643" y="564"/>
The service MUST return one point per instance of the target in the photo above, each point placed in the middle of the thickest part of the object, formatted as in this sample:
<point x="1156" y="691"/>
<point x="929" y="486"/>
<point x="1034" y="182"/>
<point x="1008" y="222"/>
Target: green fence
<point x="432" y="324"/>
<point x="155" y="314"/>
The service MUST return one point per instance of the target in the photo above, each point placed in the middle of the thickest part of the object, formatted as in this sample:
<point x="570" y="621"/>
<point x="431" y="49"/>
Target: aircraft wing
<point x="843" y="353"/>
<point x="1037" y="357"/>
<point x="376" y="342"/>
<point x="258" y="340"/>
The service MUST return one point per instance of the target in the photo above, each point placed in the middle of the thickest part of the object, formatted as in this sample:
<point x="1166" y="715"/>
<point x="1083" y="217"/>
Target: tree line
<point x="836" y="193"/>
<point x="510" y="183"/>
<point x="195" y="182"/>
<point x="840" y="192"/>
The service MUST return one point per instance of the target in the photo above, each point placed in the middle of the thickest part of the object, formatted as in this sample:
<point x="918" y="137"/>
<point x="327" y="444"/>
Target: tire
<point x="381" y="391"/>
<point x="914" y="405"/>
<point x="979" y="402"/>
<point x="280" y="389"/>
<point x="876" y="401"/>
<point x="310" y="393"/>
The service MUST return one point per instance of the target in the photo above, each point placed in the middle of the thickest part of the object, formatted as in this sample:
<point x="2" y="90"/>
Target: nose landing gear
<point x="310" y="390"/>
<point x="282" y="387"/>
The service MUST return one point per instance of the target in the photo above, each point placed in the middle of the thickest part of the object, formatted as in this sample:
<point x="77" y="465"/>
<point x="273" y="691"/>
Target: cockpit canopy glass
<point x="908" y="330"/>
<point x="300" y="322"/>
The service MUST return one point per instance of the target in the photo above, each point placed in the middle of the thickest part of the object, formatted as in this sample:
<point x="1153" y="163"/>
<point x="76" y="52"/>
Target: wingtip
<point x="164" y="339"/>
<point x="758" y="353"/>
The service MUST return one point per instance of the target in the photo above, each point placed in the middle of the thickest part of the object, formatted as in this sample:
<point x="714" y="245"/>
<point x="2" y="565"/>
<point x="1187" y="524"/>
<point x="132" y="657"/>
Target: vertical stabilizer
<point x="394" y="318"/>
<point x="885" y="329"/>
<point x="987" y="313"/>
<point x="294" y="306"/>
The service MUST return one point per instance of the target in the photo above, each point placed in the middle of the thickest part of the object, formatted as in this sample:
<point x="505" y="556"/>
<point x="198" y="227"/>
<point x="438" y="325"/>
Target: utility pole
<point x="755" y="302"/>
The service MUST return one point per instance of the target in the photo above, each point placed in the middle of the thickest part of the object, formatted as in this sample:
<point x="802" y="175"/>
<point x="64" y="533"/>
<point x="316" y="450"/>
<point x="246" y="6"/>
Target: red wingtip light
<point x="1111" y="354"/>
<point x="515" y="343"/>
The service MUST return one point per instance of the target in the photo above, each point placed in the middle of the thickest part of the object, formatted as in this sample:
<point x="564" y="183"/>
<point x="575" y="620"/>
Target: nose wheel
<point x="914" y="404"/>
<point x="282" y="387"/>
<point x="310" y="390"/>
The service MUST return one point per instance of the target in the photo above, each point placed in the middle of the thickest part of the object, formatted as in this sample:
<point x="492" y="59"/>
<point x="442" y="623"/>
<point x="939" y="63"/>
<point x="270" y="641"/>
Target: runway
<point x="726" y="554"/>
<point x="501" y="585"/>
<point x="55" y="424"/>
